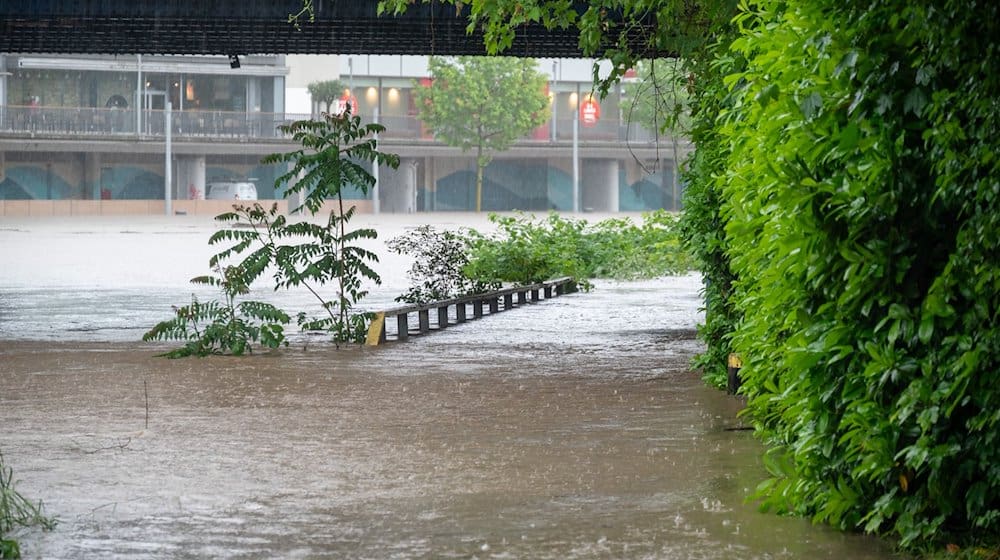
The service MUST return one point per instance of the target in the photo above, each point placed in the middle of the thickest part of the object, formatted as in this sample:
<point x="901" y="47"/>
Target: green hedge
<point x="857" y="176"/>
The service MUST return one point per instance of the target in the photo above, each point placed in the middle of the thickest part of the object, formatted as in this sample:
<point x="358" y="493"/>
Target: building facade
<point x="94" y="128"/>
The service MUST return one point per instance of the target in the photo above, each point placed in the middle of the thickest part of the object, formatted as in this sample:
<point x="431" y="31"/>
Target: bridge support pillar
<point x="398" y="187"/>
<point x="91" y="184"/>
<point x="190" y="178"/>
<point x="599" y="185"/>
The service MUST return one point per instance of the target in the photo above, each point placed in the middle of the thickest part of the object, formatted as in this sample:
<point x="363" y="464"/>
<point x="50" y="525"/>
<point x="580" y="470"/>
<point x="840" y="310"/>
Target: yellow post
<point x="733" y="366"/>
<point x="375" y="330"/>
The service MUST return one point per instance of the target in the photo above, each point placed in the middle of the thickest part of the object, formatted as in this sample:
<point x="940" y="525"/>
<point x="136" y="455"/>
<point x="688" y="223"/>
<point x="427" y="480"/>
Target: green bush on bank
<point x="526" y="250"/>
<point x="853" y="152"/>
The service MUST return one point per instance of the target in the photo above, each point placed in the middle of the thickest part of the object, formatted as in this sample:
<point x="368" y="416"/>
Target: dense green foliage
<point x="842" y="205"/>
<point x="861" y="197"/>
<point x="483" y="104"/>
<point x="16" y="511"/>
<point x="439" y="262"/>
<point x="702" y="224"/>
<point x="525" y="250"/>
<point x="301" y="254"/>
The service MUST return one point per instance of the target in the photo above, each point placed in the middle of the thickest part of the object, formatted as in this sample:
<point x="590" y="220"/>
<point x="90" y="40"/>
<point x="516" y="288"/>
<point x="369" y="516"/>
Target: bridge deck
<point x="258" y="27"/>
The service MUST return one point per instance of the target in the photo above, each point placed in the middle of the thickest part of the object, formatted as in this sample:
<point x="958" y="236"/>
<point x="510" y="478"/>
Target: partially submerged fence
<point x="482" y="305"/>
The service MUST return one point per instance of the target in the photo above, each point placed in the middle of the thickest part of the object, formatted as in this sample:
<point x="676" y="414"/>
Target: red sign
<point x="342" y="105"/>
<point x="590" y="112"/>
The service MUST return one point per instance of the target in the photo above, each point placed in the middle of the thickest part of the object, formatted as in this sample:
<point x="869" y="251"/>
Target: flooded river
<point x="573" y="428"/>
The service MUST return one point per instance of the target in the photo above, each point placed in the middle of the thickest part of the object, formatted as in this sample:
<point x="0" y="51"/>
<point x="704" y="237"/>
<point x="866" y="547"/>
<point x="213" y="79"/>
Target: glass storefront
<point x="112" y="89"/>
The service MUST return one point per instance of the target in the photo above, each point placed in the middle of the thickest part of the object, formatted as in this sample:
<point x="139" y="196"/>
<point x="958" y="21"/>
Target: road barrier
<point x="485" y="304"/>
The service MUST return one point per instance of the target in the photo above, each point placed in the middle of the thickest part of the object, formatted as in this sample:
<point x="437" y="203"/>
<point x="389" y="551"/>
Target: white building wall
<point x="303" y="69"/>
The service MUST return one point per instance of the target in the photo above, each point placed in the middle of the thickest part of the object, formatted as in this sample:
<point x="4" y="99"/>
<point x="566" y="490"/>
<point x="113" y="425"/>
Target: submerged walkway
<point x="494" y="301"/>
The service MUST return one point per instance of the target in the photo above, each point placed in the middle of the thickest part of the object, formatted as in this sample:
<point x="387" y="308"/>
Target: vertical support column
<point x="442" y="317"/>
<point x="139" y="94"/>
<point x="376" y="189"/>
<point x="91" y="187"/>
<point x="168" y="162"/>
<point x="460" y="313"/>
<point x="402" y="327"/>
<point x="191" y="177"/>
<point x="534" y="294"/>
<point x="494" y="305"/>
<point x="424" y="317"/>
<point x="600" y="185"/>
<point x="508" y="301"/>
<point x="430" y="188"/>
<point x="548" y="292"/>
<point x="3" y="104"/>
<point x="522" y="297"/>
<point x="477" y="308"/>
<point x="397" y="190"/>
<point x="576" y="158"/>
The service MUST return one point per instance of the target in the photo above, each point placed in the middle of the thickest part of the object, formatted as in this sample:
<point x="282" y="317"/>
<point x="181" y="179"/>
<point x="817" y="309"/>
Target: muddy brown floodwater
<point x="569" y="429"/>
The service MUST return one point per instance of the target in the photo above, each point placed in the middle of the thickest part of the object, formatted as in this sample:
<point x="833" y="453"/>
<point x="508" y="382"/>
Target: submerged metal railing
<point x="489" y="303"/>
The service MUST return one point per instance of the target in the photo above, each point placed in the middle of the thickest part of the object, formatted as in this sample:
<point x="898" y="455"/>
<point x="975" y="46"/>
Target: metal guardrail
<point x="113" y="122"/>
<point x="90" y="121"/>
<point x="489" y="303"/>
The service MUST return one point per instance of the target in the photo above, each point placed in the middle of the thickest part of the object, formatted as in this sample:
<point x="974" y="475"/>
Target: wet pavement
<point x="573" y="428"/>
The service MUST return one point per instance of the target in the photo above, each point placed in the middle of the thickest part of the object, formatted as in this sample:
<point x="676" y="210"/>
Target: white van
<point x="231" y="190"/>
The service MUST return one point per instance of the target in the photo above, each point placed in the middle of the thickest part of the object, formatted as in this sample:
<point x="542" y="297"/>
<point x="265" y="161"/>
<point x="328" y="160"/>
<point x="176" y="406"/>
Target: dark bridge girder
<point x="256" y="27"/>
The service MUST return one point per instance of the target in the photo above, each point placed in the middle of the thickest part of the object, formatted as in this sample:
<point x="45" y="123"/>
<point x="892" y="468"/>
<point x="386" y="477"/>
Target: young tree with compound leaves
<point x="483" y="104"/>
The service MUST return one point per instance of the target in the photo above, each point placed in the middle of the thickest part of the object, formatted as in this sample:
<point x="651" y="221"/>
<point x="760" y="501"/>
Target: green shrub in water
<point x="525" y="250"/>
<point x="17" y="511"/>
<point x="438" y="270"/>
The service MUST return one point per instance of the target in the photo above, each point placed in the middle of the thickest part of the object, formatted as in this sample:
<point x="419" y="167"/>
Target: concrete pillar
<point x="191" y="177"/>
<point x="398" y="187"/>
<point x="91" y="187"/>
<point x="430" y="187"/>
<point x="599" y="188"/>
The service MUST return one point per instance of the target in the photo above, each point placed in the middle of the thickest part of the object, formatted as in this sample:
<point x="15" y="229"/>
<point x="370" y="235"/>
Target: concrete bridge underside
<point x="261" y="27"/>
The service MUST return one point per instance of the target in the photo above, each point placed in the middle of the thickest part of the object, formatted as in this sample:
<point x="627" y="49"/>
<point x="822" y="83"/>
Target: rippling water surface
<point x="568" y="429"/>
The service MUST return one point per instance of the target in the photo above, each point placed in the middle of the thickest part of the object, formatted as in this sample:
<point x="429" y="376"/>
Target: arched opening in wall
<point x="143" y="185"/>
<point x="12" y="190"/>
<point x="652" y="192"/>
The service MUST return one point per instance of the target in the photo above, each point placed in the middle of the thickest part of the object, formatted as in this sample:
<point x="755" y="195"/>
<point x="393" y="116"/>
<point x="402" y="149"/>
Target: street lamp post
<point x="555" y="101"/>
<point x="167" y="176"/>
